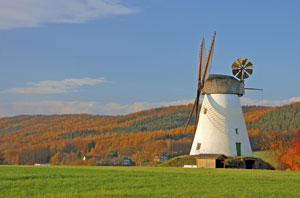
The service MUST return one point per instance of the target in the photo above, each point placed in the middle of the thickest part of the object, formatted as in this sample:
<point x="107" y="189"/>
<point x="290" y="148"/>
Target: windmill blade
<point x="190" y="116"/>
<point x="240" y="75"/>
<point x="245" y="75"/>
<point x="244" y="61"/>
<point x="249" y="65"/>
<point x="203" y="56"/>
<point x="197" y="117"/>
<point x="250" y="71"/>
<point x="235" y="65"/>
<point x="200" y="64"/>
<point x="201" y="60"/>
<point x="235" y="71"/>
<point x="239" y="61"/>
<point x="208" y="61"/>
<point x="196" y="110"/>
<point x="209" y="64"/>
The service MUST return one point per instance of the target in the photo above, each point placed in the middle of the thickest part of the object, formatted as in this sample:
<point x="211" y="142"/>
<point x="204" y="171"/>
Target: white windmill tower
<point x="219" y="124"/>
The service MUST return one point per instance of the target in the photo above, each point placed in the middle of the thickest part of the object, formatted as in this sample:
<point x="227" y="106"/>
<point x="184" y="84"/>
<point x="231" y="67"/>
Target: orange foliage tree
<point x="284" y="149"/>
<point x="292" y="155"/>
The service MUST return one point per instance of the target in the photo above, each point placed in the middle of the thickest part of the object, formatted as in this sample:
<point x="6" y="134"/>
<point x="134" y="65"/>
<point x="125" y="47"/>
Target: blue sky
<point x="116" y="57"/>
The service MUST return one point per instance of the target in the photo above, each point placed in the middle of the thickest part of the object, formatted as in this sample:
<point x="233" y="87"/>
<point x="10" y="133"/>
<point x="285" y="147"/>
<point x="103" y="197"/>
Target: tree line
<point x="65" y="139"/>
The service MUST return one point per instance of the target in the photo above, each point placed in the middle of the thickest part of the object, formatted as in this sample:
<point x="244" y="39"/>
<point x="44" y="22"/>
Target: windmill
<point x="219" y="124"/>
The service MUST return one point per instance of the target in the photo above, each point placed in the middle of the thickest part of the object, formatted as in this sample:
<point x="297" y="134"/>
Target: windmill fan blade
<point x="249" y="71"/>
<point x="245" y="75"/>
<point x="235" y="65"/>
<point x="244" y="61"/>
<point x="239" y="75"/>
<point x="235" y="71"/>
<point x="249" y="65"/>
<point x="239" y="61"/>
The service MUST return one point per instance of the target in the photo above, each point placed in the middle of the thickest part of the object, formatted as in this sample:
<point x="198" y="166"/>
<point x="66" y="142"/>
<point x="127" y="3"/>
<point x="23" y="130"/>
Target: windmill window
<point x="198" y="146"/>
<point x="236" y="130"/>
<point x="205" y="110"/>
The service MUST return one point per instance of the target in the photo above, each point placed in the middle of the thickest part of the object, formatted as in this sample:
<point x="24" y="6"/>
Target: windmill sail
<point x="208" y="62"/>
<point x="202" y="59"/>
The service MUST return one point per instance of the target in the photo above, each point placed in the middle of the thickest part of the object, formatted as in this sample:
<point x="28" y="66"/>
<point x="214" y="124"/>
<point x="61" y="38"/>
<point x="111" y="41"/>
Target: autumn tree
<point x="56" y="159"/>
<point x="291" y="157"/>
<point x="279" y="147"/>
<point x="2" y="158"/>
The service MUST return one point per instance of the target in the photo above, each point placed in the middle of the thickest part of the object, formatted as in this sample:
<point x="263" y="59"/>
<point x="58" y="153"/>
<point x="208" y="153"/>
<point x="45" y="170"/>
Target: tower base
<point x="221" y="128"/>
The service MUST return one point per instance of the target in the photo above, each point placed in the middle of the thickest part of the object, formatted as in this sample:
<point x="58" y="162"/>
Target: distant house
<point x="36" y="164"/>
<point x="127" y="161"/>
<point x="163" y="156"/>
<point x="92" y="157"/>
<point x="156" y="158"/>
<point x="210" y="160"/>
<point x="189" y="166"/>
<point x="121" y="160"/>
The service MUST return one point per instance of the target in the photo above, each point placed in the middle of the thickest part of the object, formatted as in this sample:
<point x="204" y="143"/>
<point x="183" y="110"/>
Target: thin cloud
<point x="72" y="107"/>
<point x="250" y="101"/>
<point x="34" y="13"/>
<point x="55" y="87"/>
<point x="178" y="102"/>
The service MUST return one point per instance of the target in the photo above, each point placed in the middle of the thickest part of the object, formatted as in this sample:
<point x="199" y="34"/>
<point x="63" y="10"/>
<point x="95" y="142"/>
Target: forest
<point x="142" y="136"/>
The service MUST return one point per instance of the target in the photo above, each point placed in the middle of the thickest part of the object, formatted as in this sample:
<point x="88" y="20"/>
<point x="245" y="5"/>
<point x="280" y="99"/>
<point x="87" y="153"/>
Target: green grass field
<point x="91" y="181"/>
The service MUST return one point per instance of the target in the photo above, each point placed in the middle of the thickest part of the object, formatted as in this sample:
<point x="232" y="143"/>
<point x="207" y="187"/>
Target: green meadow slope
<point x="68" y="181"/>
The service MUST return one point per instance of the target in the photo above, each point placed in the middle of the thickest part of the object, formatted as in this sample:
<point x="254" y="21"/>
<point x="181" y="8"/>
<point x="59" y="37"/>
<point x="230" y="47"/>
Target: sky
<point x="116" y="57"/>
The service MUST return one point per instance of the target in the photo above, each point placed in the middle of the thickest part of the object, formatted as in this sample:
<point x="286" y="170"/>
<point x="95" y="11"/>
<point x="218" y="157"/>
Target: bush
<point x="234" y="163"/>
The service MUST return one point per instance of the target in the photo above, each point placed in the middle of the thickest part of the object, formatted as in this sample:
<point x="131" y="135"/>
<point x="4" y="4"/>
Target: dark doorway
<point x="219" y="163"/>
<point x="250" y="164"/>
<point x="238" y="149"/>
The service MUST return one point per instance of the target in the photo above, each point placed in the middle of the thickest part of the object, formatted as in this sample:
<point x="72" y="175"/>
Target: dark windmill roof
<point x="211" y="156"/>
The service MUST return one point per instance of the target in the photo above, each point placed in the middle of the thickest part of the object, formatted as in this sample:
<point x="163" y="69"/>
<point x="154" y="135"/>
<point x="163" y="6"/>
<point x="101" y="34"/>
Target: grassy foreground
<point x="30" y="181"/>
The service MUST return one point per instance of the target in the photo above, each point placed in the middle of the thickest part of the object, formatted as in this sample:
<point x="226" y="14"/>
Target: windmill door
<point x="238" y="149"/>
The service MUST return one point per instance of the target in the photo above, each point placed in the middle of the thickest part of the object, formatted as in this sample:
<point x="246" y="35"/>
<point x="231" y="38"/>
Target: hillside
<point x="64" y="139"/>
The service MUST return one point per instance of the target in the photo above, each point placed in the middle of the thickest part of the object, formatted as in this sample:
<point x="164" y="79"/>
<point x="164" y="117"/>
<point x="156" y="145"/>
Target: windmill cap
<point x="223" y="84"/>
